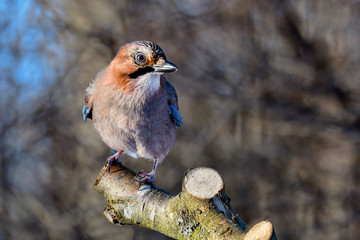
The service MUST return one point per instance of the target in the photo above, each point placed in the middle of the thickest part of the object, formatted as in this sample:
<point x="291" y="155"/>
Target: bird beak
<point x="167" y="67"/>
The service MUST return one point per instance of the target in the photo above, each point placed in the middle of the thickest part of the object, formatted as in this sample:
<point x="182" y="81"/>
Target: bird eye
<point x="140" y="58"/>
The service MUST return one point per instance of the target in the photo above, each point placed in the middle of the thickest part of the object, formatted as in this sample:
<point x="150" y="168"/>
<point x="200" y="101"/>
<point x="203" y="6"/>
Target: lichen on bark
<point x="201" y="210"/>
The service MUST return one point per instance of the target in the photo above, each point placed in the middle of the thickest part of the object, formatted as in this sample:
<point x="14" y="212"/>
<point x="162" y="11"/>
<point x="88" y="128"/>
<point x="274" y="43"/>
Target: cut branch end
<point x="201" y="211"/>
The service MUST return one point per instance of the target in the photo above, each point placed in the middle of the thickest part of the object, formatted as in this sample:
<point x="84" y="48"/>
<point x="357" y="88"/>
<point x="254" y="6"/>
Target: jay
<point x="133" y="107"/>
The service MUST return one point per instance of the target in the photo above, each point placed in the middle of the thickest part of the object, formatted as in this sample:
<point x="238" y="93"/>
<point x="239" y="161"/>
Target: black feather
<point x="141" y="71"/>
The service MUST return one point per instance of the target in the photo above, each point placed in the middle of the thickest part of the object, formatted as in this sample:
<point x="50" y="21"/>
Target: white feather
<point x="148" y="83"/>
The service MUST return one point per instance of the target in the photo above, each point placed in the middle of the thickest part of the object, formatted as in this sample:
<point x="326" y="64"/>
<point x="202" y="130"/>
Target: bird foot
<point x="146" y="177"/>
<point x="116" y="158"/>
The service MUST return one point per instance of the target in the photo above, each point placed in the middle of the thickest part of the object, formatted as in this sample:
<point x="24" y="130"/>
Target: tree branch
<point x="201" y="211"/>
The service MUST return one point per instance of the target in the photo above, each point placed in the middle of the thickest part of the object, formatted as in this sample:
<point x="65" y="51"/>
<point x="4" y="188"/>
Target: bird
<point x="134" y="108"/>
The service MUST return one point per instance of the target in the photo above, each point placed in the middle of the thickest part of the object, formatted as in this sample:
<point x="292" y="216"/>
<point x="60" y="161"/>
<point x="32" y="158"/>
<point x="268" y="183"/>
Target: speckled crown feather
<point x="157" y="51"/>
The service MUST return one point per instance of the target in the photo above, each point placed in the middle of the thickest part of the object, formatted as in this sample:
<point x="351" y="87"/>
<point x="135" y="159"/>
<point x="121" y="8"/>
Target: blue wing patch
<point x="113" y="151"/>
<point x="174" y="112"/>
<point x="86" y="112"/>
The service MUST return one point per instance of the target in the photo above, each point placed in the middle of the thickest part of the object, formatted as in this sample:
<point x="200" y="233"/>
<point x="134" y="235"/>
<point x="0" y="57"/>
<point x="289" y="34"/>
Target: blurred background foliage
<point x="269" y="91"/>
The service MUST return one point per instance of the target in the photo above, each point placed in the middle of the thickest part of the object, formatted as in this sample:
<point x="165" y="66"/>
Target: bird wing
<point x="173" y="105"/>
<point x="89" y="96"/>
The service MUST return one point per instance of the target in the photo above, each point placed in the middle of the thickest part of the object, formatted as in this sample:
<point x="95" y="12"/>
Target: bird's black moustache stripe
<point x="141" y="71"/>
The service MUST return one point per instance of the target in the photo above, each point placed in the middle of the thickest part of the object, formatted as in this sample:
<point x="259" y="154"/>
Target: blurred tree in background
<point x="269" y="91"/>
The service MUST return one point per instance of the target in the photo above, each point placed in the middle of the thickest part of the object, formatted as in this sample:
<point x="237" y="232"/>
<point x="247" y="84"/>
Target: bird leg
<point x="114" y="158"/>
<point x="149" y="177"/>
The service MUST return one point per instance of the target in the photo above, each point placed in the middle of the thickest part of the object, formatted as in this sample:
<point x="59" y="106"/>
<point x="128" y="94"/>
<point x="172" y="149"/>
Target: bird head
<point x="140" y="64"/>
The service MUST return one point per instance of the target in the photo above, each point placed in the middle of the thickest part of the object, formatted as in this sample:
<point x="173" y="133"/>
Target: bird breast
<point x="136" y="123"/>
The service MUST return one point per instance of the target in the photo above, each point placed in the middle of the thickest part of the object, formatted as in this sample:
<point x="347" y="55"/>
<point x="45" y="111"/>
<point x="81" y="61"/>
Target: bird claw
<point x="114" y="158"/>
<point x="146" y="177"/>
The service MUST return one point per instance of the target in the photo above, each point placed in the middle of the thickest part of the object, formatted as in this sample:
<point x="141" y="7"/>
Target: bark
<point x="201" y="211"/>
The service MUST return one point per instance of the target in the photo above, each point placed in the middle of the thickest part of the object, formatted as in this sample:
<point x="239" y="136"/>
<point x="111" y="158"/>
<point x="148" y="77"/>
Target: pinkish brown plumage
<point x="133" y="107"/>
